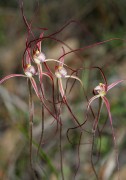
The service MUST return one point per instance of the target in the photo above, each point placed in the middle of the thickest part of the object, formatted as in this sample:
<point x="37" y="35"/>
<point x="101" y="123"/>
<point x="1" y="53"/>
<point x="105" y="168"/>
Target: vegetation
<point x="62" y="87"/>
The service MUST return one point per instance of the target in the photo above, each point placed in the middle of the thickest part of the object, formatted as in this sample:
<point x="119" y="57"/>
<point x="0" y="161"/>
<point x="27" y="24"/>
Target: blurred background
<point x="97" y="21"/>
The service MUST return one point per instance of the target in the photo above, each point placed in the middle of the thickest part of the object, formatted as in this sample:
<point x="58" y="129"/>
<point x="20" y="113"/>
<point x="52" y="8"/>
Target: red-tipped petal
<point x="61" y="87"/>
<point x="40" y="72"/>
<point x="11" y="76"/>
<point x="34" y="85"/>
<point x="108" y="107"/>
<point x="114" y="84"/>
<point x="28" y="56"/>
<point x="40" y="41"/>
<point x="74" y="77"/>
<point x="91" y="100"/>
<point x="110" y="116"/>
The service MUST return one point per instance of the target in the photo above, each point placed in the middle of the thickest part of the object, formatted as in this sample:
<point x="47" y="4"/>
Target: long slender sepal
<point x="113" y="133"/>
<point x="114" y="84"/>
<point x="11" y="76"/>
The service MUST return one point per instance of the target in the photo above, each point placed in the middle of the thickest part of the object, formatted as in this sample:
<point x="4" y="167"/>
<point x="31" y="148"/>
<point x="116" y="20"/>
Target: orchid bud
<point x="100" y="89"/>
<point x="29" y="70"/>
<point x="39" y="57"/>
<point x="60" y="72"/>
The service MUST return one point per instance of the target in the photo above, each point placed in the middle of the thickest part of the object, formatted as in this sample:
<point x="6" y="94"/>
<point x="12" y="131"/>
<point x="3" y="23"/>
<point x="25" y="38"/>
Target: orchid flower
<point x="29" y="72"/>
<point x="38" y="55"/>
<point x="61" y="73"/>
<point x="39" y="58"/>
<point x="101" y="91"/>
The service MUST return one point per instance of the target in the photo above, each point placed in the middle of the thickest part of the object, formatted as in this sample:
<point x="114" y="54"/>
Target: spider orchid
<point x="29" y="72"/>
<point x="61" y="73"/>
<point x="39" y="58"/>
<point x="38" y="55"/>
<point x="101" y="91"/>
